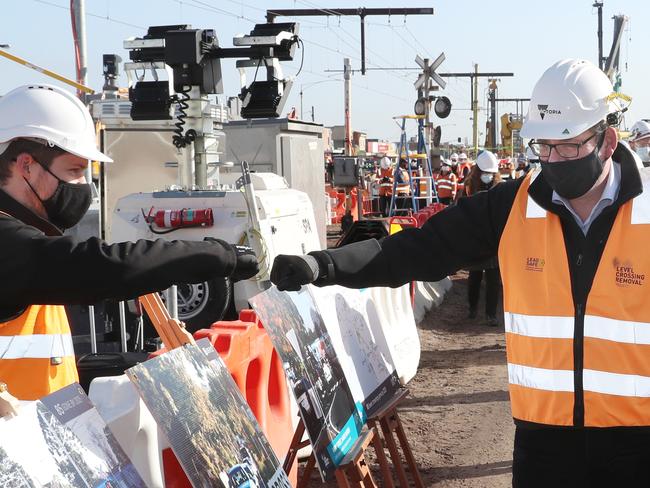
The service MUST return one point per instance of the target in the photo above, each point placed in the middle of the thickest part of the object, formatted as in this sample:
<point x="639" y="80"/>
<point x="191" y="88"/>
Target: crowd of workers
<point x="449" y="178"/>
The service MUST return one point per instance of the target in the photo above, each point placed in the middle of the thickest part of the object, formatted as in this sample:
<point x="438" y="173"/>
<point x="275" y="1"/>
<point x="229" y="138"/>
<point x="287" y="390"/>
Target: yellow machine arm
<point x="47" y="72"/>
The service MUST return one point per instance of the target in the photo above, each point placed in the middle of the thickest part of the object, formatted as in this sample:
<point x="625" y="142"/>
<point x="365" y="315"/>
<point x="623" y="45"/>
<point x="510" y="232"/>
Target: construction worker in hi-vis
<point x="571" y="238"/>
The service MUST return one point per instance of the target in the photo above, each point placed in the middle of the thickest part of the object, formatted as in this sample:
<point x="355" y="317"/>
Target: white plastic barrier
<point x="393" y="305"/>
<point x="429" y="295"/>
<point x="117" y="401"/>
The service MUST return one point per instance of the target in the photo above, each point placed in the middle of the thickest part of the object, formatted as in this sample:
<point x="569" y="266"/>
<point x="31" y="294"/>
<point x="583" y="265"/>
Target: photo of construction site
<point x="211" y="429"/>
<point x="318" y="381"/>
<point x="38" y="451"/>
<point x="355" y="329"/>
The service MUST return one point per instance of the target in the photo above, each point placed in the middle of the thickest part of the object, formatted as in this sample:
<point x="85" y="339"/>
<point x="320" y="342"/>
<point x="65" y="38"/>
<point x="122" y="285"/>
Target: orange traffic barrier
<point x="338" y="204"/>
<point x="247" y="352"/>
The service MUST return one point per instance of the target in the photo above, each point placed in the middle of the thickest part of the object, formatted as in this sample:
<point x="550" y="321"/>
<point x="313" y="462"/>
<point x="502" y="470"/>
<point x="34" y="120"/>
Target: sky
<point x="522" y="37"/>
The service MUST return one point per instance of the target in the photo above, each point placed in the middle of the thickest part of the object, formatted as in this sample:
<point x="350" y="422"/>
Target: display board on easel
<point x="332" y="418"/>
<point x="62" y="441"/>
<point x="355" y="329"/>
<point x="207" y="422"/>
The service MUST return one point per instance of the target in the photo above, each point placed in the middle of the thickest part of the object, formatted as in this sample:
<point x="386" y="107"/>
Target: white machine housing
<point x="286" y="222"/>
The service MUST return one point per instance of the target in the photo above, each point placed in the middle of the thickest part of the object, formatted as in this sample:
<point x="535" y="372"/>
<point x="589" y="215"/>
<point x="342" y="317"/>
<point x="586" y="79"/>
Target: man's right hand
<point x="289" y="273"/>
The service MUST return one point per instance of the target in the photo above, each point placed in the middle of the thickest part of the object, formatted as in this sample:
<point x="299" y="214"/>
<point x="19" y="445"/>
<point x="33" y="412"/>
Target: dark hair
<point x="42" y="153"/>
<point x="473" y="181"/>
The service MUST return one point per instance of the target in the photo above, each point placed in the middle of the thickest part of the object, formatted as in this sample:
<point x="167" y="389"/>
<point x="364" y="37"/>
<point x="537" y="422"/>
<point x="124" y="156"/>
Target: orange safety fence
<point x="337" y="201"/>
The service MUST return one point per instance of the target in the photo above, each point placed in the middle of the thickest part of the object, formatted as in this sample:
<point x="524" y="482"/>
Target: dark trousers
<point x="492" y="287"/>
<point x="445" y="200"/>
<point x="581" y="458"/>
<point x="384" y="204"/>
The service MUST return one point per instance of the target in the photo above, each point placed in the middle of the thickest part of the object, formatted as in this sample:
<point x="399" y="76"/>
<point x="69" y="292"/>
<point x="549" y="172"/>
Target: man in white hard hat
<point x="47" y="138"/>
<point x="571" y="240"/>
<point x="482" y="177"/>
<point x="640" y="141"/>
<point x="453" y="162"/>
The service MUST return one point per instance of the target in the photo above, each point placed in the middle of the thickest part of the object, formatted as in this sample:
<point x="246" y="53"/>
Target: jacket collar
<point x="19" y="211"/>
<point x="631" y="185"/>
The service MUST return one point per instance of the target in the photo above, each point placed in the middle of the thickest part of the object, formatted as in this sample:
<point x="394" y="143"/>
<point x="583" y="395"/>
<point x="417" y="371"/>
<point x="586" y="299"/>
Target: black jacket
<point x="38" y="265"/>
<point x="470" y="232"/>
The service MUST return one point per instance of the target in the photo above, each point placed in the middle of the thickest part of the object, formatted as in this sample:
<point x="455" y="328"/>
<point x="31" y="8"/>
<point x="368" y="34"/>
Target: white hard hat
<point x="50" y="113"/>
<point x="453" y="156"/>
<point x="487" y="162"/>
<point x="462" y="156"/>
<point x="384" y="163"/>
<point x="640" y="130"/>
<point x="572" y="96"/>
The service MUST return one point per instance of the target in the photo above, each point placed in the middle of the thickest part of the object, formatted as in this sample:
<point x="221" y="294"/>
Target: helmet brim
<point x="92" y="154"/>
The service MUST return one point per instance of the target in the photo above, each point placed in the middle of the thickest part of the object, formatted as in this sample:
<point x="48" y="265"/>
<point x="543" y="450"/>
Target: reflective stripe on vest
<point x="36" y="346"/>
<point x="36" y="353"/>
<point x="540" y="320"/>
<point x="446" y="185"/>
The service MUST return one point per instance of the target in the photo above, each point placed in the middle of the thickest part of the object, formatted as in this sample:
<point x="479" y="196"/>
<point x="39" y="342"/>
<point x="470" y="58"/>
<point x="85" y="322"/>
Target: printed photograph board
<point x="206" y="420"/>
<point x="332" y="418"/>
<point x="356" y="330"/>
<point x="61" y="441"/>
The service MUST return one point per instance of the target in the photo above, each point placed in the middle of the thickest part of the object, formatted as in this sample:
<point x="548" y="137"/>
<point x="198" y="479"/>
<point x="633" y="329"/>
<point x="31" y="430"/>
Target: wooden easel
<point x="353" y="469"/>
<point x="388" y="422"/>
<point x="171" y="331"/>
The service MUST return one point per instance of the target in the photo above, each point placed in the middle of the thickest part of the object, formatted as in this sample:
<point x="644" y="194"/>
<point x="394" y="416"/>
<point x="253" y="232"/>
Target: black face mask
<point x="68" y="204"/>
<point x="573" y="178"/>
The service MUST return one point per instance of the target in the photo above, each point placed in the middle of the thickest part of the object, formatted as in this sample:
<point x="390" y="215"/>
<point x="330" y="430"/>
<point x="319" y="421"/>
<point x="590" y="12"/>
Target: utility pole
<point x="474" y="81"/>
<point x="493" y="114"/>
<point x="361" y="12"/>
<point x="424" y="85"/>
<point x="79" y="24"/>
<point x="474" y="76"/>
<point x="599" y="6"/>
<point x="347" y="76"/>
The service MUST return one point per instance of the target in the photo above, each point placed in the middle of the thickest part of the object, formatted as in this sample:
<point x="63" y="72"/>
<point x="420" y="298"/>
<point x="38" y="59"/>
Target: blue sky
<point x="523" y="37"/>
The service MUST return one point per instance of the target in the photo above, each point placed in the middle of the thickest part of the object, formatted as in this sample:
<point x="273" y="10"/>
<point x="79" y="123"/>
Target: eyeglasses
<point x="563" y="149"/>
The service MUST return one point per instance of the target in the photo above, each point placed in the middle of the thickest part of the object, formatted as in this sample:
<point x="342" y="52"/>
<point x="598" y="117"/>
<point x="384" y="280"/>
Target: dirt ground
<point x="457" y="416"/>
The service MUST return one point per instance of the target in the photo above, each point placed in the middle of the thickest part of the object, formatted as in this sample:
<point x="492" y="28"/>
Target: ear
<point x="24" y="165"/>
<point x="609" y="143"/>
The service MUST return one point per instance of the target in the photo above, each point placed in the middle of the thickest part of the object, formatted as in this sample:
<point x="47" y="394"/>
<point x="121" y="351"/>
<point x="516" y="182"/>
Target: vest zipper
<point x="578" y="366"/>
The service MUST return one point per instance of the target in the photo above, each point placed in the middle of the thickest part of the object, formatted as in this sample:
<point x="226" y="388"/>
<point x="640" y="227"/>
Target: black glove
<point x="289" y="273"/>
<point x="247" y="265"/>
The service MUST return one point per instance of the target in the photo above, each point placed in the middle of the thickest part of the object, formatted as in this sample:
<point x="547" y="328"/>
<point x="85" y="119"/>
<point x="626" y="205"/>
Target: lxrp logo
<point x="544" y="110"/>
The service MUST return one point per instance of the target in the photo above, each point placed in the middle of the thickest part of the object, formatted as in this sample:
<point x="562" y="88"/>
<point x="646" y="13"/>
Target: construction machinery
<point x="169" y="179"/>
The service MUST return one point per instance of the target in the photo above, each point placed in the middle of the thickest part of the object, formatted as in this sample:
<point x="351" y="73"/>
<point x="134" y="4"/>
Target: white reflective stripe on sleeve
<point x="616" y="384"/>
<point x="36" y="346"/>
<point x="539" y="325"/>
<point x="617" y="330"/>
<point x="539" y="378"/>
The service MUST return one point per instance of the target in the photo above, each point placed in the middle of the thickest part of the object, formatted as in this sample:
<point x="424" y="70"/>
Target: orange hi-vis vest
<point x="36" y="353"/>
<point x="541" y="323"/>
<point x="446" y="185"/>
<point x="404" y="188"/>
<point x="385" y="182"/>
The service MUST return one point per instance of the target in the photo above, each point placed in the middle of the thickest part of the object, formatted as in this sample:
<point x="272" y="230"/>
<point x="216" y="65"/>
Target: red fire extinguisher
<point x="179" y="218"/>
